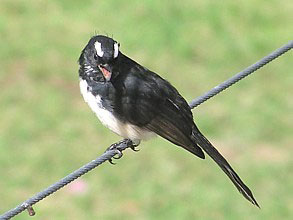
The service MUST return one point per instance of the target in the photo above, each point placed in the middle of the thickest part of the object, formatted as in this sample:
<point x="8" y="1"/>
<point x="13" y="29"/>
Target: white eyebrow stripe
<point x="116" y="50"/>
<point x="98" y="47"/>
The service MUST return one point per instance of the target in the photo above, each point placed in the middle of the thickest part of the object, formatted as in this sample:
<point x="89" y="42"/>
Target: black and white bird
<point x="138" y="104"/>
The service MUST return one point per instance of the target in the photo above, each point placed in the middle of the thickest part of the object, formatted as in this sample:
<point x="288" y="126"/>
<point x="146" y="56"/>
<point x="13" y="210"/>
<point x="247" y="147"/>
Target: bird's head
<point x="100" y="54"/>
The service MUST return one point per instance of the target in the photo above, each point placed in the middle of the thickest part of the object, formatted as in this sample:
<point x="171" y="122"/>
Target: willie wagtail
<point x="137" y="104"/>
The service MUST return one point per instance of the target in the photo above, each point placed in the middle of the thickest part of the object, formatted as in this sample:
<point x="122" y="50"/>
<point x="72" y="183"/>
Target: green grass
<point x="47" y="131"/>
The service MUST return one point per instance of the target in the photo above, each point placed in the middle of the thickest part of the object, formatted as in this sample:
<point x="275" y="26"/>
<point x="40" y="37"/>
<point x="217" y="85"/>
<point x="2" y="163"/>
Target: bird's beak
<point x="106" y="70"/>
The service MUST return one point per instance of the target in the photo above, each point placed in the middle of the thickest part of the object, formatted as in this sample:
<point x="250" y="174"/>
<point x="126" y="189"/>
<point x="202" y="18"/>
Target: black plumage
<point x="130" y="94"/>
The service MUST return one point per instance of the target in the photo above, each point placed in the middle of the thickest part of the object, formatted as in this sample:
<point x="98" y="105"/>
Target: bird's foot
<point x="134" y="145"/>
<point x="120" y="146"/>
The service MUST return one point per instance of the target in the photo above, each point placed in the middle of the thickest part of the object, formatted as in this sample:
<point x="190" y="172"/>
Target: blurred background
<point x="47" y="130"/>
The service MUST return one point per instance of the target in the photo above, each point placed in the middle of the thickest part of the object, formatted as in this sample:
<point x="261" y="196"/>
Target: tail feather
<point x="222" y="162"/>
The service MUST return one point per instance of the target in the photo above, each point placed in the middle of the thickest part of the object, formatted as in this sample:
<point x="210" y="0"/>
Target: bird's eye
<point x="95" y="56"/>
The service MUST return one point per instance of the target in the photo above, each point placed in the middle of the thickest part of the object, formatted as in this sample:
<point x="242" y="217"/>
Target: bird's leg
<point x="120" y="146"/>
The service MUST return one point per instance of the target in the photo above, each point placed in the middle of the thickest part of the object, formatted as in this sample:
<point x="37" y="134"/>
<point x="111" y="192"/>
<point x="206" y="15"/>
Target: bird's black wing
<point x="151" y="102"/>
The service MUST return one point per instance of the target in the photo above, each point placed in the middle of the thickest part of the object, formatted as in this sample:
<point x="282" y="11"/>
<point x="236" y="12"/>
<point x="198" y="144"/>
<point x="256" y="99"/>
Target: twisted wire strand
<point x="246" y="72"/>
<point x="64" y="181"/>
<point x="123" y="145"/>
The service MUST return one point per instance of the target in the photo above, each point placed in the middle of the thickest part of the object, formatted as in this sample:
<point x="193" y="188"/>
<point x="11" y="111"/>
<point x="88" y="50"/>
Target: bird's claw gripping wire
<point x="119" y="147"/>
<point x="134" y="147"/>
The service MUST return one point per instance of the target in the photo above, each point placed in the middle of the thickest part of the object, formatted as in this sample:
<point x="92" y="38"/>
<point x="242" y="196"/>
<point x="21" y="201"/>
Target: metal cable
<point x="63" y="182"/>
<point x="124" y="145"/>
<point x="219" y="88"/>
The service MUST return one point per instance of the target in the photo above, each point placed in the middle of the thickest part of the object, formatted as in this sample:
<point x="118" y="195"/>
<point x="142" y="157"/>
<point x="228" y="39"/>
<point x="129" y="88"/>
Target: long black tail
<point x="222" y="162"/>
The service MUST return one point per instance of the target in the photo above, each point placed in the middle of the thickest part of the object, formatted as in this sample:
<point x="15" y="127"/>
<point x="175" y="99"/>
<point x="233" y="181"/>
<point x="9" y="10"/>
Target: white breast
<point x="125" y="130"/>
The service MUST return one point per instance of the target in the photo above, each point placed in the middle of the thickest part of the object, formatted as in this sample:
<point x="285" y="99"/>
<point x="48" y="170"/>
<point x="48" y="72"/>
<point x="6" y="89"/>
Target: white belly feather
<point x="125" y="130"/>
